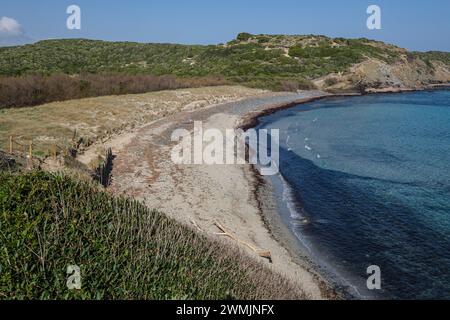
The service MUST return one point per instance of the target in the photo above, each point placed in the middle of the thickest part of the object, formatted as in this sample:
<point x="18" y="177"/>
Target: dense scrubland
<point x="249" y="56"/>
<point x="66" y="69"/>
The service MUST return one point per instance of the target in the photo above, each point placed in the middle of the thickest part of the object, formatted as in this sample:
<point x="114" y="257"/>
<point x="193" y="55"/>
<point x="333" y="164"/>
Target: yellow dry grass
<point x="97" y="118"/>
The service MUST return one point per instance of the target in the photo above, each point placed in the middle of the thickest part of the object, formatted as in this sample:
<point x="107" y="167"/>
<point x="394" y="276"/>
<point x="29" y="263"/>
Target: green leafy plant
<point x="124" y="250"/>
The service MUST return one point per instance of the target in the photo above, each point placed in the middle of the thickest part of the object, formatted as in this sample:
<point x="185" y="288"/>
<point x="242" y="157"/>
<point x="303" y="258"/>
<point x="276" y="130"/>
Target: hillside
<point x="124" y="250"/>
<point x="268" y="61"/>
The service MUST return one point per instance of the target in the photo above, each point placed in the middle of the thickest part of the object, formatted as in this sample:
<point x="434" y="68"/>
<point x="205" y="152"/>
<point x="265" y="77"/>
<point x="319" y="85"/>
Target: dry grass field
<point x="98" y="118"/>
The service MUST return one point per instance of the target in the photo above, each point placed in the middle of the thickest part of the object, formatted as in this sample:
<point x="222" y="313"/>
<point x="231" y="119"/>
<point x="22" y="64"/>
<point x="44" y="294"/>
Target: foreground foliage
<point x="125" y="250"/>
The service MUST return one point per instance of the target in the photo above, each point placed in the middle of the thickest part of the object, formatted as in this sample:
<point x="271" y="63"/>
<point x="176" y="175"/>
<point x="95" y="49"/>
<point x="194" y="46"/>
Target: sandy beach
<point x="205" y="196"/>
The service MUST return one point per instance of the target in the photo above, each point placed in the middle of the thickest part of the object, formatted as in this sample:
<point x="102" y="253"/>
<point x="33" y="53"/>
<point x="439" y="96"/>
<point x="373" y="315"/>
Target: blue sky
<point x="414" y="24"/>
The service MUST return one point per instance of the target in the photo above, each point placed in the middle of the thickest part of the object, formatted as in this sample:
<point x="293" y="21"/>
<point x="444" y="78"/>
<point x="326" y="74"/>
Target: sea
<point x="364" y="185"/>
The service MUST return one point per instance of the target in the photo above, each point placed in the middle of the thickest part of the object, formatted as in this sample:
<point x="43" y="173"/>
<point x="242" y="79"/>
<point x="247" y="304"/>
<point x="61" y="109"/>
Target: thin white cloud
<point x="9" y="27"/>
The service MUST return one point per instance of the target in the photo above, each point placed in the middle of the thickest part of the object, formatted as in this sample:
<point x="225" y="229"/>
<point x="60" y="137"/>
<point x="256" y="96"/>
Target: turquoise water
<point x="366" y="181"/>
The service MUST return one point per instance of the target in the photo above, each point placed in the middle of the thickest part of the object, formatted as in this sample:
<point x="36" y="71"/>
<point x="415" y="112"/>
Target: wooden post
<point x="30" y="152"/>
<point x="11" y="148"/>
<point x="54" y="151"/>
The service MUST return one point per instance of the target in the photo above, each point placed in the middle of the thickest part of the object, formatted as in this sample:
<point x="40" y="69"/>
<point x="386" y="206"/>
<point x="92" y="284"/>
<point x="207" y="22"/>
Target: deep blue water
<point x="366" y="181"/>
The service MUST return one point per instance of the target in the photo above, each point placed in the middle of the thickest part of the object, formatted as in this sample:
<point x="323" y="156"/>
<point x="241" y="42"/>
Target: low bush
<point x="125" y="250"/>
<point x="31" y="90"/>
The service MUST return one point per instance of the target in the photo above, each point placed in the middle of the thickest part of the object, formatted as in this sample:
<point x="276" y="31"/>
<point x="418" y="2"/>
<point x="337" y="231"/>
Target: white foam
<point x="288" y="198"/>
<point x="296" y="215"/>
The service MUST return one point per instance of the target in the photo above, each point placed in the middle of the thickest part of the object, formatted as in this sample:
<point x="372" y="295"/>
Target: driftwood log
<point x="226" y="233"/>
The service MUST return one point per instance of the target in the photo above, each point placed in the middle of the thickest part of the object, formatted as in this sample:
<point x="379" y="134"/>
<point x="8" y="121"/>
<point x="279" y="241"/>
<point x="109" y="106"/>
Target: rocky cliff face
<point x="359" y="64"/>
<point x="374" y="75"/>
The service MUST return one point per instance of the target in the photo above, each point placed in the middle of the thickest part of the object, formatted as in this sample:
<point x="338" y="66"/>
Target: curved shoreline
<point x="330" y="284"/>
<point x="278" y="229"/>
<point x="266" y="198"/>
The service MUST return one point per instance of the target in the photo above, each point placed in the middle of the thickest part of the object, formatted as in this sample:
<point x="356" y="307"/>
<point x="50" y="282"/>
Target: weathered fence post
<point x="30" y="150"/>
<point x="53" y="151"/>
<point x="103" y="172"/>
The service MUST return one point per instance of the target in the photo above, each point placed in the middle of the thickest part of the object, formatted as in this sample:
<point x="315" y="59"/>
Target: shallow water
<point x="366" y="181"/>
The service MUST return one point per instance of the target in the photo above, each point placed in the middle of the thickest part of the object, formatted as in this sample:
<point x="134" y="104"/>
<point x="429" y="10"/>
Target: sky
<point x="412" y="24"/>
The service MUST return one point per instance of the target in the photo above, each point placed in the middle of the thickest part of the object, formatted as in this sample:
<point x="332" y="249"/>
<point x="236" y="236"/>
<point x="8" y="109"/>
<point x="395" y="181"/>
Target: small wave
<point x="289" y="200"/>
<point x="299" y="237"/>
<point x="289" y="148"/>
<point x="299" y="220"/>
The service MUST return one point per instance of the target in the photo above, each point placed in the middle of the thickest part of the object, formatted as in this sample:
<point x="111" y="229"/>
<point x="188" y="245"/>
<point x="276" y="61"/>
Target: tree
<point x="244" y="36"/>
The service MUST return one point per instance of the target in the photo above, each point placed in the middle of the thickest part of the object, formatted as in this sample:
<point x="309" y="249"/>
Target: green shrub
<point x="244" y="36"/>
<point x="331" y="81"/>
<point x="124" y="250"/>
